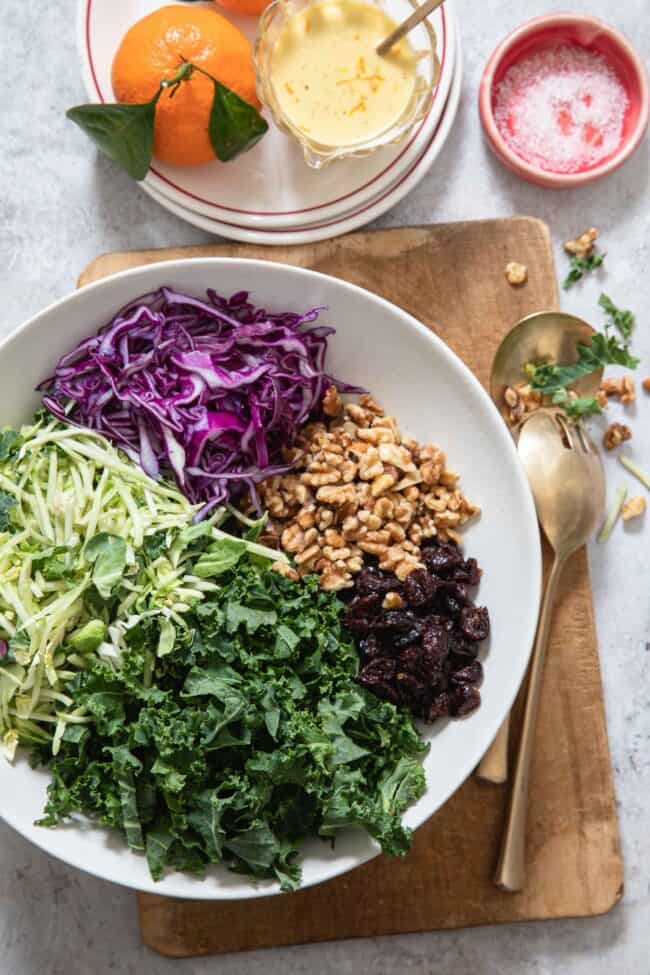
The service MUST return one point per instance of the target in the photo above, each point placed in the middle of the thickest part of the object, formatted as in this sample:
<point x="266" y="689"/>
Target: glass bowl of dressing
<point x="320" y="77"/>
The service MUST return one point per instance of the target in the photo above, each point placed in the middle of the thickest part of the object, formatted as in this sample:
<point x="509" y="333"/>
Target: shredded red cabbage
<point x="209" y="390"/>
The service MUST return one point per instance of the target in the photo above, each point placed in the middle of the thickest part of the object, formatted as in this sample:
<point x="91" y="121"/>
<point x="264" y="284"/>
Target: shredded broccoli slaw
<point x="89" y="544"/>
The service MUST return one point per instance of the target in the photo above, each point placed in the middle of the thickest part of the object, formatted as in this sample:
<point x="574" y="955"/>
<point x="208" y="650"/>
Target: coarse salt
<point x="561" y="109"/>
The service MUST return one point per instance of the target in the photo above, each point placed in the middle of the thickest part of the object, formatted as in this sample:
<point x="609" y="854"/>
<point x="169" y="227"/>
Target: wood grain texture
<point x="452" y="278"/>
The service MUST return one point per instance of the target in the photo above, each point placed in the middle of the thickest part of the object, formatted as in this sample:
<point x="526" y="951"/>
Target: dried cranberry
<point x="462" y="658"/>
<point x="453" y="590"/>
<point x="436" y="619"/>
<point x="463" y="698"/>
<point x="468" y="572"/>
<point x="435" y="649"/>
<point x="401" y="640"/>
<point x="471" y="674"/>
<point x="385" y="691"/>
<point x="409" y="659"/>
<point x="419" y="588"/>
<point x="452" y="606"/>
<point x="369" y="647"/>
<point x="377" y="670"/>
<point x="372" y="581"/>
<point x="396" y="620"/>
<point x="475" y="622"/>
<point x="442" y="559"/>
<point x="409" y="688"/>
<point x="439" y="707"/>
<point x="364" y="605"/>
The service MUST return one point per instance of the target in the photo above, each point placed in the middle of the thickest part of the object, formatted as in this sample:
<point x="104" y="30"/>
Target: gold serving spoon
<point x="550" y="336"/>
<point x="407" y="25"/>
<point x="568" y="483"/>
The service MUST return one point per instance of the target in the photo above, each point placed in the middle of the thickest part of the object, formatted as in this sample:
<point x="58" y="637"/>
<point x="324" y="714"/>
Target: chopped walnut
<point x="516" y="273"/>
<point x="621" y="388"/>
<point x="646" y="385"/>
<point x="583" y="245"/>
<point x="393" y="600"/>
<point x="332" y="403"/>
<point x="357" y="487"/>
<point x="615" y="435"/>
<point x="285" y="570"/>
<point x="633" y="508"/>
<point x="521" y="400"/>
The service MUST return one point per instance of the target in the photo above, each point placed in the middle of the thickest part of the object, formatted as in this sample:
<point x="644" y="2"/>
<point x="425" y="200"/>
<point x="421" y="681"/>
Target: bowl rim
<point x="497" y="143"/>
<point x="533" y="551"/>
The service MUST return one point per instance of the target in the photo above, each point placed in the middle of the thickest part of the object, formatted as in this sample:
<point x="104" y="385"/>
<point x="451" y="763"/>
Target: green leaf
<point x="401" y="787"/>
<point x="124" y="133"/>
<point x="88" y="637"/>
<point x="581" y="266"/>
<point x="272" y="713"/>
<point x="219" y="557"/>
<point x="169" y="778"/>
<point x="108" y="554"/>
<point x="577" y="407"/>
<point x="158" y="843"/>
<point x="219" y="682"/>
<point x="286" y="641"/>
<point x="126" y="767"/>
<point x="257" y="847"/>
<point x="622" y="320"/>
<point x="8" y="443"/>
<point x="205" y="818"/>
<point x="154" y="545"/>
<point x="167" y="638"/>
<point x="238" y="614"/>
<point x="235" y="125"/>
<point x="255" y="529"/>
<point x="604" y="350"/>
<point x="7" y="504"/>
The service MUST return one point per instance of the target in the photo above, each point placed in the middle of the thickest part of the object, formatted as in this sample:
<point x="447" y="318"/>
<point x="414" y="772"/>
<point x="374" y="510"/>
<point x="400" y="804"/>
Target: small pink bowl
<point x="583" y="31"/>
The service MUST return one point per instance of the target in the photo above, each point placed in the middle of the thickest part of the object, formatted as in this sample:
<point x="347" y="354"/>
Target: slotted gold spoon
<point x="566" y="475"/>
<point x="549" y="336"/>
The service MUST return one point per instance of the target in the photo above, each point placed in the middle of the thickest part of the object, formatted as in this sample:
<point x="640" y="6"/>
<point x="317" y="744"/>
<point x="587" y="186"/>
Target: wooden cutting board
<point x="452" y="278"/>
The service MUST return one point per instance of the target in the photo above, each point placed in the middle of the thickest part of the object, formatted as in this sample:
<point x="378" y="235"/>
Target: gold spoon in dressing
<point x="407" y="25"/>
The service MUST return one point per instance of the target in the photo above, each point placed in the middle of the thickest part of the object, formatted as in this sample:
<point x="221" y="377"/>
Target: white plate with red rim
<point x="346" y="222"/>
<point x="436" y="399"/>
<point x="270" y="187"/>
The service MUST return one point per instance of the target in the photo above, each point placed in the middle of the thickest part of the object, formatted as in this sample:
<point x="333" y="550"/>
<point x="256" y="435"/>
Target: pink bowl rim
<point x="497" y="143"/>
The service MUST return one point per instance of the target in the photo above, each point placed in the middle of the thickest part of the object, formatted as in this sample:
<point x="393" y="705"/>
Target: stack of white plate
<point x="270" y="195"/>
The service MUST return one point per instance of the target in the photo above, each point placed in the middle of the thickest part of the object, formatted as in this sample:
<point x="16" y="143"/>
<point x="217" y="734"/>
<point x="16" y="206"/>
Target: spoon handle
<point x="493" y="767"/>
<point x="416" y="18"/>
<point x="511" y="869"/>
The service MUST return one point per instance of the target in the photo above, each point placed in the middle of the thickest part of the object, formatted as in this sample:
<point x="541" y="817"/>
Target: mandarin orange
<point x="251" y="8"/>
<point x="155" y="47"/>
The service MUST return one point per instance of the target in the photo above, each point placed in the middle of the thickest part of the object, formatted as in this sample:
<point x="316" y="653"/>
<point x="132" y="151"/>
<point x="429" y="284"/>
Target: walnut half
<point x="633" y="508"/>
<point x="615" y="435"/>
<point x="516" y="274"/>
<point x="582" y="246"/>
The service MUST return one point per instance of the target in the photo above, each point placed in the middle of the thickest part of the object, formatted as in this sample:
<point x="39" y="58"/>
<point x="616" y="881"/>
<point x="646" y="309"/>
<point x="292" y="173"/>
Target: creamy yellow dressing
<point x="328" y="80"/>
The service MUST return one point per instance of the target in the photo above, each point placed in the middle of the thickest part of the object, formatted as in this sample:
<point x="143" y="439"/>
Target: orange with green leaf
<point x="185" y="86"/>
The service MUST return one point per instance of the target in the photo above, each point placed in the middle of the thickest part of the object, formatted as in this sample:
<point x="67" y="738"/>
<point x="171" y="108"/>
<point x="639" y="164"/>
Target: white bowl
<point x="436" y="399"/>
